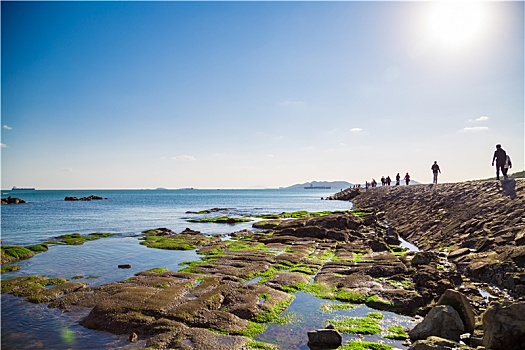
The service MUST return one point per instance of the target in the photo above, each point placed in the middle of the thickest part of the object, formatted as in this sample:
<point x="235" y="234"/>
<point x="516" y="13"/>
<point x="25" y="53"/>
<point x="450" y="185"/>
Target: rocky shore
<point x="477" y="229"/>
<point x="467" y="280"/>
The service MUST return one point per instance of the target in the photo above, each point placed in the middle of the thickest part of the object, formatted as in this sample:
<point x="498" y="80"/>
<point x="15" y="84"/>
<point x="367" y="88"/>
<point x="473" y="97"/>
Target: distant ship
<point x="22" y="188"/>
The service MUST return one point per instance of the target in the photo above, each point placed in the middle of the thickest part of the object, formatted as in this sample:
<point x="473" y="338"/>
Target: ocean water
<point x="127" y="213"/>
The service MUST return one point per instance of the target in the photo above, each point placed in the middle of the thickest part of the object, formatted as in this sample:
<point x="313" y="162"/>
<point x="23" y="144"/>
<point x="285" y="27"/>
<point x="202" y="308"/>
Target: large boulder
<point x="504" y="326"/>
<point x="460" y="302"/>
<point x="324" y="339"/>
<point x="442" y="321"/>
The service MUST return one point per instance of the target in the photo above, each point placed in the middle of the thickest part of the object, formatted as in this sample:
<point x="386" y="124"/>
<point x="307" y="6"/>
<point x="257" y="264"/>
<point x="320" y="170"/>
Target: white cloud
<point x="183" y="157"/>
<point x="3" y="145"/>
<point x="482" y="118"/>
<point x="7" y="127"/>
<point x="475" y="129"/>
<point x="356" y="130"/>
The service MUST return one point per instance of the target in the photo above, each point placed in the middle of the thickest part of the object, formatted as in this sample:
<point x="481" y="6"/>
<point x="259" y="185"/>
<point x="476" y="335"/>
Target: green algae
<point x="220" y="220"/>
<point x="252" y="330"/>
<point x="299" y="214"/>
<point x="292" y="288"/>
<point x="10" y="268"/>
<point x="158" y="270"/>
<point x="78" y="239"/>
<point x="257" y="345"/>
<point x="365" y="345"/>
<point x="375" y="299"/>
<point x="273" y="313"/>
<point x="323" y="291"/>
<point x="168" y="242"/>
<point x="396" y="332"/>
<point x="359" y="325"/>
<point x="14" y="253"/>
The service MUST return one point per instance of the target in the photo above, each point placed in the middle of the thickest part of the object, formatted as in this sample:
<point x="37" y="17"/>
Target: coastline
<point x="347" y="257"/>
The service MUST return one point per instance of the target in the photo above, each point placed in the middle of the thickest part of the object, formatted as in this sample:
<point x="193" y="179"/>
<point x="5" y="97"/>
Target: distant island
<point x="321" y="185"/>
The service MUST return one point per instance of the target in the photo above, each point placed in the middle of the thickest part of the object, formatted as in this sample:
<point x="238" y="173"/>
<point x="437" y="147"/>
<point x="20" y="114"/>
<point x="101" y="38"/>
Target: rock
<point x="442" y="321"/>
<point x="437" y="343"/>
<point x="90" y="198"/>
<point x="461" y="304"/>
<point x="327" y="338"/>
<point x="13" y="200"/>
<point x="124" y="266"/>
<point x="504" y="326"/>
<point x="425" y="258"/>
<point x="133" y="337"/>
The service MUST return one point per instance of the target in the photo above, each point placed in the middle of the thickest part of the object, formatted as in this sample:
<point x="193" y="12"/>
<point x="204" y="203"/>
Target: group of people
<point x="501" y="159"/>
<point x="386" y="181"/>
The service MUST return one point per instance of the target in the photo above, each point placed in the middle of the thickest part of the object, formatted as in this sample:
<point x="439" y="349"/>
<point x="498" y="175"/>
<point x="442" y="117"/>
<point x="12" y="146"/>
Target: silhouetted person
<point x="398" y="178"/>
<point x="500" y="156"/>
<point x="435" y="171"/>
<point x="388" y="180"/>
<point x="508" y="164"/>
<point x="407" y="179"/>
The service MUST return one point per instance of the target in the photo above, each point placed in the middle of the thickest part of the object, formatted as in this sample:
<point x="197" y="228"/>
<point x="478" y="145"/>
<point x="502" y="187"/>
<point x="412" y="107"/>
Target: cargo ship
<point x="22" y="188"/>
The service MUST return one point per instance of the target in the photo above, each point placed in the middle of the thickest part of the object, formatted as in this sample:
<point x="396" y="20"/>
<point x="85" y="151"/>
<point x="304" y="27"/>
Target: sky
<point x="100" y="95"/>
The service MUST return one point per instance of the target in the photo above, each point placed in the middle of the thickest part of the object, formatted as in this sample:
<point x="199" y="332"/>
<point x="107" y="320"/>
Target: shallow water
<point x="306" y="315"/>
<point x="406" y="244"/>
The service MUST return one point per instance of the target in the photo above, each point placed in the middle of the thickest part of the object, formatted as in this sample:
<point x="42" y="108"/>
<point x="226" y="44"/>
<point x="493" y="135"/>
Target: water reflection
<point x="306" y="315"/>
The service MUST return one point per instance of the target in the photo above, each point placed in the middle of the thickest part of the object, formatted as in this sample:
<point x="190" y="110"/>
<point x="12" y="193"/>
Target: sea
<point x="126" y="214"/>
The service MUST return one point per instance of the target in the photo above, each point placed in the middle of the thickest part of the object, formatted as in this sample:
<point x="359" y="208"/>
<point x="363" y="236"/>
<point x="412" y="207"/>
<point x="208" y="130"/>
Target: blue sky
<point x="257" y="94"/>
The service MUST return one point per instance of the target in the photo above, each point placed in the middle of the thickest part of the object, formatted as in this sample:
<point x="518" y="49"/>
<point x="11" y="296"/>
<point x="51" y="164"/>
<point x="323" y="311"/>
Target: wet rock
<point x="124" y="266"/>
<point x="87" y="199"/>
<point x="13" y="200"/>
<point x="324" y="339"/>
<point x="504" y="326"/>
<point x="442" y="321"/>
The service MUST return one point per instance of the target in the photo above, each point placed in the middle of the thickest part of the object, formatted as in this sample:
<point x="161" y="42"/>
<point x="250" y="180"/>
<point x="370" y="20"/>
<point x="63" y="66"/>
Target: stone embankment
<point x="480" y="224"/>
<point x="478" y="228"/>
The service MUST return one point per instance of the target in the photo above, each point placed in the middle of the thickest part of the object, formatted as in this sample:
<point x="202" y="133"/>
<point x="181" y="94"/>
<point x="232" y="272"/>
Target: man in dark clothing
<point x="435" y="170"/>
<point x="501" y="157"/>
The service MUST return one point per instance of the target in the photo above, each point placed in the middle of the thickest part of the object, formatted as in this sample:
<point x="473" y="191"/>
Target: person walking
<point x="435" y="170"/>
<point x="508" y="164"/>
<point x="398" y="178"/>
<point x="500" y="156"/>
<point x="407" y="179"/>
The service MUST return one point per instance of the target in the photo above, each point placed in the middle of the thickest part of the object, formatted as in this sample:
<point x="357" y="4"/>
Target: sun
<point x="455" y="24"/>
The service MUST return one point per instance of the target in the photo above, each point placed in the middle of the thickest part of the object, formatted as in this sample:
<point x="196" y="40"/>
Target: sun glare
<point x="457" y="24"/>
